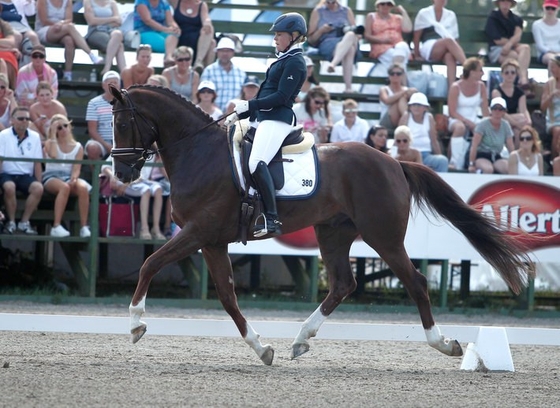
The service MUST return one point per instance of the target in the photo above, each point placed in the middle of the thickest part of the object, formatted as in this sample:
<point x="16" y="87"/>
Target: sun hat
<point x="418" y="98"/>
<point x="225" y="43"/>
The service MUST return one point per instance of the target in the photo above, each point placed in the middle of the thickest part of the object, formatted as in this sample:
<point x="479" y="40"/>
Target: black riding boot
<point x="266" y="223"/>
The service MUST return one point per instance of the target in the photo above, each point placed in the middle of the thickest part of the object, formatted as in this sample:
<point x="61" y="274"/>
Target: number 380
<point x="306" y="183"/>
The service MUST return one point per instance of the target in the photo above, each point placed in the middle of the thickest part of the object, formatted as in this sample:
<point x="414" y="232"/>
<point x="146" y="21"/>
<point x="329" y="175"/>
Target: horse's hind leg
<point x="219" y="266"/>
<point x="335" y="243"/>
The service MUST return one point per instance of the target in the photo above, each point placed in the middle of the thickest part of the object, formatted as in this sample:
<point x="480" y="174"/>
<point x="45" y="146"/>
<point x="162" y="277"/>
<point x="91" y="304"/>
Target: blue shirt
<point x="157" y="13"/>
<point x="228" y="83"/>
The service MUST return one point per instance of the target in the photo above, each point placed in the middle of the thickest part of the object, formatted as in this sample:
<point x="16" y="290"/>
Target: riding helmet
<point x="289" y="23"/>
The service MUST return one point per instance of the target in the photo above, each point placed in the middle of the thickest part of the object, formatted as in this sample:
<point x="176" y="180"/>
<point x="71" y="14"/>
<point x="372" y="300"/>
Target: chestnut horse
<point x="362" y="192"/>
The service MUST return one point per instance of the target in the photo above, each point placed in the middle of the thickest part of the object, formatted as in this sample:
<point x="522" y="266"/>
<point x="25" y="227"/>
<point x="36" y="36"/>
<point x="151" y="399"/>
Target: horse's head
<point x="133" y="136"/>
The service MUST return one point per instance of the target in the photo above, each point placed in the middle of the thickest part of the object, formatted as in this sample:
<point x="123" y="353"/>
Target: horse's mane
<point x="181" y="100"/>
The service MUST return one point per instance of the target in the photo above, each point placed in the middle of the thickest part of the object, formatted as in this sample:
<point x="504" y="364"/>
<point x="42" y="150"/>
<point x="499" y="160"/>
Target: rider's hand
<point x="231" y="118"/>
<point x="241" y="107"/>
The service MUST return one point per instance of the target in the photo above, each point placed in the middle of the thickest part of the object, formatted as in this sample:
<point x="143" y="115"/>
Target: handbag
<point x="437" y="86"/>
<point x="117" y="217"/>
<point x="132" y="39"/>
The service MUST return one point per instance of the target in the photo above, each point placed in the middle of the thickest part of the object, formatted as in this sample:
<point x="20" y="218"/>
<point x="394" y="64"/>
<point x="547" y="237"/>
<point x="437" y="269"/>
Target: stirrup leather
<point x="269" y="225"/>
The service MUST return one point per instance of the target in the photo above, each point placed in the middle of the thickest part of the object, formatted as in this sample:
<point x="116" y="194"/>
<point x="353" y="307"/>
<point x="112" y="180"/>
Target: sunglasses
<point x="395" y="73"/>
<point x="22" y="118"/>
<point x="385" y="4"/>
<point x="183" y="59"/>
<point x="498" y="108"/>
<point x="65" y="125"/>
<point x="550" y="8"/>
<point x="320" y="103"/>
<point x="526" y="138"/>
<point x="401" y="141"/>
<point x="509" y="72"/>
<point x="37" y="56"/>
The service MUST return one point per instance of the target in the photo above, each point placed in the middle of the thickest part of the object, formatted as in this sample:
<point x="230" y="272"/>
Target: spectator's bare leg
<point x="80" y="190"/>
<point x="343" y="47"/>
<point x="449" y="52"/>
<point x="115" y="48"/>
<point x="485" y="166"/>
<point x="556" y="166"/>
<point x="501" y="166"/>
<point x="555" y="145"/>
<point x="10" y="200"/>
<point x="61" y="191"/>
<point x="156" y="211"/>
<point x="144" y="208"/>
<point x="451" y="64"/>
<point x="35" y="194"/>
<point x="69" y="52"/>
<point x="171" y="42"/>
<point x="457" y="145"/>
<point x="33" y="37"/>
<point x="204" y="47"/>
<point x="524" y="59"/>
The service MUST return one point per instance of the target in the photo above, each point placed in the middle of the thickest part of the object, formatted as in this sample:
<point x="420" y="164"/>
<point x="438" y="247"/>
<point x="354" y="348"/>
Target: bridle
<point x="134" y="157"/>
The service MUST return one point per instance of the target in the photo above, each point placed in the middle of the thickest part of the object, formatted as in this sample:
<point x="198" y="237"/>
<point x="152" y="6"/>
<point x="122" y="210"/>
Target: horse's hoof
<point x="299" y="349"/>
<point x="268" y="355"/>
<point x="138" y="332"/>
<point x="456" y="349"/>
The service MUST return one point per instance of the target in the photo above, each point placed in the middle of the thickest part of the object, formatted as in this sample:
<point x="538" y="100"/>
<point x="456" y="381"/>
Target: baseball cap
<point x="111" y="75"/>
<point x="207" y="84"/>
<point x="550" y="3"/>
<point x="252" y="80"/>
<point x="418" y="98"/>
<point x="377" y="2"/>
<point x="38" y="48"/>
<point x="498" y="101"/>
<point x="225" y="43"/>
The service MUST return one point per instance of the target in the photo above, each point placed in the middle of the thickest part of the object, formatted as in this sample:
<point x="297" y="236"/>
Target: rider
<point x="273" y="109"/>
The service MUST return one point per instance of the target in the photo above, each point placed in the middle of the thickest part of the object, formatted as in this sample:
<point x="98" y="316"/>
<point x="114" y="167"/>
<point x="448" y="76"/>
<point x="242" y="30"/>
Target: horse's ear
<point x="116" y="93"/>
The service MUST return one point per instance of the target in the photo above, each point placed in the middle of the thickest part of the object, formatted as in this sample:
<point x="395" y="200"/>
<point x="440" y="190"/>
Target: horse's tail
<point x="504" y="252"/>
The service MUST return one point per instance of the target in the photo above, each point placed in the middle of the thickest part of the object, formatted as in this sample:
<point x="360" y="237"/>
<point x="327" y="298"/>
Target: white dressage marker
<point x="490" y="351"/>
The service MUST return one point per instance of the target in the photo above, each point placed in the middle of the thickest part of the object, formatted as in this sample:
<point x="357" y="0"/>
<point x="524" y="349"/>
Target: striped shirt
<point x="228" y="83"/>
<point x="100" y="110"/>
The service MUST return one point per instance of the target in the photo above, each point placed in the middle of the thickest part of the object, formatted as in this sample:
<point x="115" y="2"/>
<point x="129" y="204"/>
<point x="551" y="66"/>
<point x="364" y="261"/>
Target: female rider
<point x="272" y="107"/>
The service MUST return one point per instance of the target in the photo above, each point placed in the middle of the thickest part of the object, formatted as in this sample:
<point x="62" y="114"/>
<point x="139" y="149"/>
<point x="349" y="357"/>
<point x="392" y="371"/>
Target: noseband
<point x="134" y="157"/>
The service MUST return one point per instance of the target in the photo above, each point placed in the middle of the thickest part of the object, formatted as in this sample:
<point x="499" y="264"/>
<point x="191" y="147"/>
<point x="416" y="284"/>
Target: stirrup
<point x="269" y="225"/>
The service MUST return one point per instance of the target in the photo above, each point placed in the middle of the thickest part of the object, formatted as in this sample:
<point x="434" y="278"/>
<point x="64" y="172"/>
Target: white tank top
<point x="63" y="167"/>
<point x="468" y="106"/>
<point x="523" y="170"/>
<point x="420" y="133"/>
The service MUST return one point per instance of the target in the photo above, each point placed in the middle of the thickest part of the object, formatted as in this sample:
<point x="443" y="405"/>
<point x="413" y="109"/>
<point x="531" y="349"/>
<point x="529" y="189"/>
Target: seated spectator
<point x="158" y="80"/>
<point x="351" y="128"/>
<point x="403" y="141"/>
<point x="104" y="19"/>
<point x="197" y="31"/>
<point x="159" y="175"/>
<point x="546" y="32"/>
<point x="99" y="118"/>
<point x="377" y="138"/>
<point x="206" y="96"/>
<point x="29" y="76"/>
<point x="394" y="98"/>
<point x="517" y="114"/>
<point x="20" y="176"/>
<point x="527" y="160"/>
<point x="226" y="76"/>
<point x="310" y="82"/>
<point x="423" y="130"/>
<point x="437" y="29"/>
<point x="384" y="32"/>
<point x="63" y="179"/>
<point x="54" y="25"/>
<point x="8" y="53"/>
<point x="14" y="13"/>
<point x="490" y="137"/>
<point x="154" y="21"/>
<point x="139" y="72"/>
<point x="45" y="108"/>
<point x="467" y="97"/>
<point x="556" y="167"/>
<point x="182" y="78"/>
<point x="250" y="89"/>
<point x="503" y="30"/>
<point x="7" y="102"/>
<point x="314" y="114"/>
<point x="326" y="32"/>
<point x="550" y="103"/>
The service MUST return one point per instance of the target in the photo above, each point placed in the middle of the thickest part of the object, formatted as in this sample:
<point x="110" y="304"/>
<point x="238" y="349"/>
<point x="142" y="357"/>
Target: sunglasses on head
<point x="401" y="141"/>
<point x="397" y="73"/>
<point x="525" y="138"/>
<point x="22" y="118"/>
<point x="64" y="125"/>
<point x="183" y="59"/>
<point x="37" y="56"/>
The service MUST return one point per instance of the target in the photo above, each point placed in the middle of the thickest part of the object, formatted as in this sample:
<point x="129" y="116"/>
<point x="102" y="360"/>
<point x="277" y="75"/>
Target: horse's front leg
<point x="176" y="249"/>
<point x="219" y="266"/>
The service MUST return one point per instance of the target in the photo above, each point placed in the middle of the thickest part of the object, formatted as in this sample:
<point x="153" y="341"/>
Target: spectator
<point x="310" y="82"/>
<point x="403" y="140"/>
<point x="423" y="130"/>
<point x="7" y="102"/>
<point x="556" y="167"/>
<point x="490" y="136"/>
<point x="546" y="32"/>
<point x="466" y="98"/>
<point x="159" y="175"/>
<point x="436" y="27"/>
<point x="351" y="128"/>
<point x="314" y="114"/>
<point x="197" y="31"/>
<point x="550" y="103"/>
<point x="54" y="24"/>
<point x="14" y="12"/>
<point x="45" y="108"/>
<point x="21" y="176"/>
<point x="206" y="96"/>
<point x="517" y="114"/>
<point x="249" y="91"/>
<point x="394" y="98"/>
<point x="384" y="32"/>
<point x="99" y="118"/>
<point x="527" y="160"/>
<point x="326" y="32"/>
<point x="63" y="179"/>
<point x="8" y="53"/>
<point x="158" y="80"/>
<point x="139" y="72"/>
<point x="154" y="21"/>
<point x="227" y="78"/>
<point x="104" y="19"/>
<point x="29" y="76"/>
<point x="182" y="78"/>
<point x="503" y="30"/>
<point x="377" y="138"/>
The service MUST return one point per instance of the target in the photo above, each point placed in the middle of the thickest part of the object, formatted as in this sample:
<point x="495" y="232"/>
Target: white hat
<point x="111" y="75"/>
<point x="498" y="101"/>
<point x="377" y="2"/>
<point x="207" y="84"/>
<point x="225" y="43"/>
<point x="418" y="98"/>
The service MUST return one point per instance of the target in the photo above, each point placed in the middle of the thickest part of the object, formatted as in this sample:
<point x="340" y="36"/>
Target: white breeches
<point x="269" y="137"/>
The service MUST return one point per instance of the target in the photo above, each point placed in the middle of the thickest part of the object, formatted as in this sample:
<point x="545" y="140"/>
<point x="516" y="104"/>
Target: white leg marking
<point x="439" y="342"/>
<point x="310" y="327"/>
<point x="136" y="313"/>
<point x="265" y="352"/>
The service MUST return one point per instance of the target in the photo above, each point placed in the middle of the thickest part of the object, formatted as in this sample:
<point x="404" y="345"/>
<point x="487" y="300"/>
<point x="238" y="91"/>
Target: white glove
<point x="241" y="107"/>
<point x="230" y="119"/>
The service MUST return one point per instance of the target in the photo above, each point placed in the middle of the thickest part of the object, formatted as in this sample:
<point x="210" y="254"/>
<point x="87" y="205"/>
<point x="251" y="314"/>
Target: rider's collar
<point x="280" y="54"/>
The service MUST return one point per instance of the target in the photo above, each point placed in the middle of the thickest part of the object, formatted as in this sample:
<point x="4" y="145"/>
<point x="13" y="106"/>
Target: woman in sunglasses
<point x="45" y="108"/>
<point x="546" y="32"/>
<point x="182" y="78"/>
<point x="527" y="160"/>
<point x="314" y="114"/>
<point x="394" y="97"/>
<point x="403" y="140"/>
<point x="63" y="179"/>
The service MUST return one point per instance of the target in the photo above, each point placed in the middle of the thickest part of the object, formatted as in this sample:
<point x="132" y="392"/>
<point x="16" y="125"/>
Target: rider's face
<point x="282" y="40"/>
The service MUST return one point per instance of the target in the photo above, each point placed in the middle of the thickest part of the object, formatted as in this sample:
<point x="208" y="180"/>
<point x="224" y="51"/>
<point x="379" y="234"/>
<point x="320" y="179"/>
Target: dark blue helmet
<point x="289" y="23"/>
